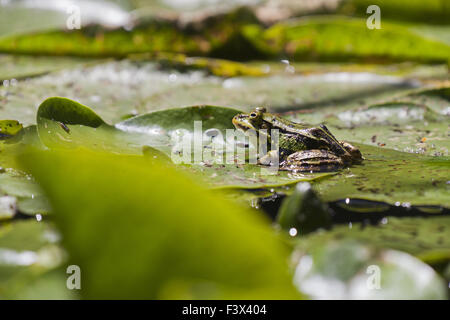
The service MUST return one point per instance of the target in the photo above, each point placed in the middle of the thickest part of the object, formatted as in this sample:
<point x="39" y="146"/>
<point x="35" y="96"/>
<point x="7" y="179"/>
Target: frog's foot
<point x="356" y="156"/>
<point x="315" y="160"/>
<point x="270" y="159"/>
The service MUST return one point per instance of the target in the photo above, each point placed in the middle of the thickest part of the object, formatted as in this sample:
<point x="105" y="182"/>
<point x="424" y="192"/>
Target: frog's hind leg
<point x="316" y="160"/>
<point x="331" y="142"/>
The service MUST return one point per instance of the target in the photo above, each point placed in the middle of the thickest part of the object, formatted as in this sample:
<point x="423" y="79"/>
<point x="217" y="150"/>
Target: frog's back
<point x="283" y="124"/>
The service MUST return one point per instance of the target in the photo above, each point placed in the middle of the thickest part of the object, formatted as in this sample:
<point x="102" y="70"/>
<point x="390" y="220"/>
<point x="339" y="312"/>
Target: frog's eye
<point x="253" y="114"/>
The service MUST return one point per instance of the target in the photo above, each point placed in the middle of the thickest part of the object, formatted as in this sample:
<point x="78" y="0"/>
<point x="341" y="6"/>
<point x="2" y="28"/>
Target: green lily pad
<point x="414" y="122"/>
<point x="63" y="123"/>
<point x="216" y="67"/>
<point x="14" y="182"/>
<point x="249" y="176"/>
<point x="341" y="38"/>
<point x="15" y="67"/>
<point x="349" y="270"/>
<point x="157" y="230"/>
<point x="424" y="238"/>
<point x="331" y="38"/>
<point x="391" y="176"/>
<point x="431" y="12"/>
<point x="401" y="126"/>
<point x="119" y="88"/>
<point x="16" y="20"/>
<point x="438" y="99"/>
<point x="34" y="205"/>
<point x="19" y="186"/>
<point x="28" y="251"/>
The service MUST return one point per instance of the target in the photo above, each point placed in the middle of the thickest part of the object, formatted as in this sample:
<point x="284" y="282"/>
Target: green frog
<point x="302" y="147"/>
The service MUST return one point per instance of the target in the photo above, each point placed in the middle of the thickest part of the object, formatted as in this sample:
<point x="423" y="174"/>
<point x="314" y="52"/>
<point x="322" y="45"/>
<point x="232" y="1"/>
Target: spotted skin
<point x="302" y="147"/>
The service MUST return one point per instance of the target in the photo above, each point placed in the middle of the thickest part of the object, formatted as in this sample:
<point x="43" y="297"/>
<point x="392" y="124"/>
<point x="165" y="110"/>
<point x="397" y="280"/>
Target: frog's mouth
<point x="241" y="123"/>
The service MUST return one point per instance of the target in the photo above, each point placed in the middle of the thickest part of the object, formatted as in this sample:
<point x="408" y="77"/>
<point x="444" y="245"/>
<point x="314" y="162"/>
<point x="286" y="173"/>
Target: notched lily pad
<point x="60" y="125"/>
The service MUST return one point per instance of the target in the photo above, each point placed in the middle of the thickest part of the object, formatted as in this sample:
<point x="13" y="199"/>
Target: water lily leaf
<point x="239" y="35"/>
<point x="151" y="34"/>
<point x="16" y="184"/>
<point x="15" y="20"/>
<point x="424" y="238"/>
<point x="249" y="176"/>
<point x="34" y="205"/>
<point x="341" y="38"/>
<point x="414" y="122"/>
<point x="349" y="270"/>
<point x="119" y="88"/>
<point x="19" y="186"/>
<point x="402" y="126"/>
<point x="437" y="99"/>
<point x="216" y="67"/>
<point x="431" y="12"/>
<point x="172" y="241"/>
<point x="15" y="67"/>
<point x="63" y="123"/>
<point x="28" y="250"/>
<point x="391" y="176"/>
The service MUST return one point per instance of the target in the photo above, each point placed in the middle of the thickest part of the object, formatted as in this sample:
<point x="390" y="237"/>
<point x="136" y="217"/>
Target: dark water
<point x="359" y="210"/>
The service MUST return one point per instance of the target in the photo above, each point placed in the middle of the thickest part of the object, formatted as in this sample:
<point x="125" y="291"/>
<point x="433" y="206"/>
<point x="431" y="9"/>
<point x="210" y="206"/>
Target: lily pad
<point x="63" y="123"/>
<point x="414" y="122"/>
<point x="340" y="38"/>
<point x="349" y="270"/>
<point x="391" y="176"/>
<point x="16" y="67"/>
<point x="431" y="12"/>
<point x="28" y="251"/>
<point x="424" y="238"/>
<point x="120" y="88"/>
<point x="334" y="38"/>
<point x="216" y="67"/>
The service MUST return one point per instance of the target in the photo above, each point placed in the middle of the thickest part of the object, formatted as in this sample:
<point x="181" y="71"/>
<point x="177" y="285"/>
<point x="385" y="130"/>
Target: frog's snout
<point x="235" y="121"/>
<point x="240" y="122"/>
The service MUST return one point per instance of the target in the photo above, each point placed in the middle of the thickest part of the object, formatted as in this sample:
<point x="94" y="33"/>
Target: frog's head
<point x="249" y="121"/>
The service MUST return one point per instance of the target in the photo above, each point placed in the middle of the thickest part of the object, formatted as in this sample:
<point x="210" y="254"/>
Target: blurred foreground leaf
<point x="148" y="227"/>
<point x="29" y="250"/>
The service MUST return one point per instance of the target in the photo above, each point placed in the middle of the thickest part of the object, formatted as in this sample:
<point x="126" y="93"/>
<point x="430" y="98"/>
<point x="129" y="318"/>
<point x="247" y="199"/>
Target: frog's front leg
<point x="312" y="160"/>
<point x="270" y="159"/>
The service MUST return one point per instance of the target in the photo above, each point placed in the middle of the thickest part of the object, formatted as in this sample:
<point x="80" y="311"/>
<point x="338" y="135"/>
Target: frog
<point x="302" y="147"/>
